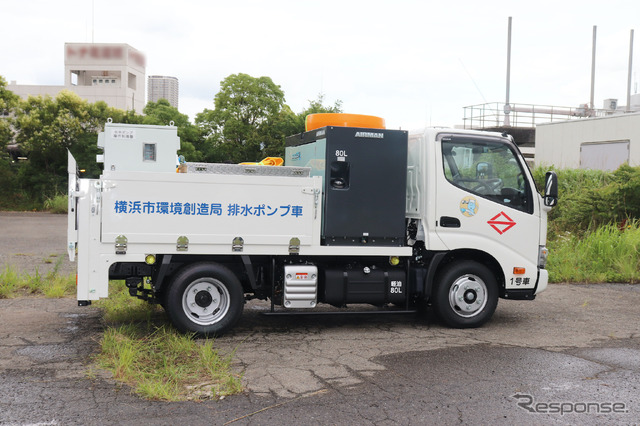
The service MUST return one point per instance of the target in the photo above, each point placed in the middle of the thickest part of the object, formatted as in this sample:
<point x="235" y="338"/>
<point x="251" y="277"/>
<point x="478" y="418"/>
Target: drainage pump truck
<point x="359" y="214"/>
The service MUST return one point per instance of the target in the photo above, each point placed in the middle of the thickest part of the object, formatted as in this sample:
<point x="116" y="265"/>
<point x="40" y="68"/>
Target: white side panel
<point x="157" y="208"/>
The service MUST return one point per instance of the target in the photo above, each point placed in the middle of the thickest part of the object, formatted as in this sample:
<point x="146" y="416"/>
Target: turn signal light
<point x="150" y="259"/>
<point x="518" y="271"/>
<point x="394" y="260"/>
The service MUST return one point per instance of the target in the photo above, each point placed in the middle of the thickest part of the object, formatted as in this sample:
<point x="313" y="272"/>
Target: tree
<point x="316" y="107"/>
<point x="243" y="125"/>
<point x="162" y="113"/>
<point x="47" y="127"/>
<point x="8" y="103"/>
<point x="8" y="180"/>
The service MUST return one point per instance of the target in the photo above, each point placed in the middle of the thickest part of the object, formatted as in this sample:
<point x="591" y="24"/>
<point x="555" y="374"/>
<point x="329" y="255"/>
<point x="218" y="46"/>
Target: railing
<point x="491" y="115"/>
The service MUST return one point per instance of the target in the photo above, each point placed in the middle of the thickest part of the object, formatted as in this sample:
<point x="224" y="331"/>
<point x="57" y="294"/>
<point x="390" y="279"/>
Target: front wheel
<point x="466" y="295"/>
<point x="204" y="298"/>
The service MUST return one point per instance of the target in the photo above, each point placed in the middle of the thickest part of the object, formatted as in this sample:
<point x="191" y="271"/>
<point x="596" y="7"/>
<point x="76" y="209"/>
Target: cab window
<point x="488" y="168"/>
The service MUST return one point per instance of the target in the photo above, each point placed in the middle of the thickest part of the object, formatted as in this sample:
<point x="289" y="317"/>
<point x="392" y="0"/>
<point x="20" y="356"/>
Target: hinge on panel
<point x="294" y="245"/>
<point x="316" y="198"/>
<point x="237" y="244"/>
<point x="121" y="244"/>
<point x="182" y="244"/>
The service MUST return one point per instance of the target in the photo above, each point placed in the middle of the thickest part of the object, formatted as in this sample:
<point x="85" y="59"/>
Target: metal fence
<point x="491" y="115"/>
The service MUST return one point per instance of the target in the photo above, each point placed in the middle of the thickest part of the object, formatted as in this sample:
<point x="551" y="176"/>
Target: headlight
<point x="543" y="252"/>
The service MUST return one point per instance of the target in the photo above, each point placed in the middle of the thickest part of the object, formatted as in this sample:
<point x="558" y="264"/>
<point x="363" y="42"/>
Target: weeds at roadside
<point x="57" y="204"/>
<point x="161" y="364"/>
<point x="607" y="254"/>
<point x="142" y="350"/>
<point x="52" y="285"/>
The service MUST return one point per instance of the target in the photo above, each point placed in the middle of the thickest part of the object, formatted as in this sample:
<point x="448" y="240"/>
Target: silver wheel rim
<point x="205" y="301"/>
<point x="468" y="296"/>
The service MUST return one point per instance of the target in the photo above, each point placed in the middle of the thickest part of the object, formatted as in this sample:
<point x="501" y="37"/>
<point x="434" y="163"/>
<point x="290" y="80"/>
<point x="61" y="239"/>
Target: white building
<point x="602" y="143"/>
<point x="163" y="87"/>
<point x="113" y="73"/>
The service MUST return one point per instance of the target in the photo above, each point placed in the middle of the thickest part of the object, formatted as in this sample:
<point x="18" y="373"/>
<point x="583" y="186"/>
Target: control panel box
<point x="138" y="148"/>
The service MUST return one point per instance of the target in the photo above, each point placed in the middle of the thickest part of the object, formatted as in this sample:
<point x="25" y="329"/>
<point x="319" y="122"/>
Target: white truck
<point x="358" y="215"/>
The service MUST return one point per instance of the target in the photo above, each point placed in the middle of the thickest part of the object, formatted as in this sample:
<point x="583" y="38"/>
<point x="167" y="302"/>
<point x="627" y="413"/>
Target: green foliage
<point x="162" y="113"/>
<point x="9" y="193"/>
<point x="607" y="254"/>
<point x="45" y="129"/>
<point x="588" y="199"/>
<point x="241" y="127"/>
<point x="57" y="204"/>
<point x="593" y="231"/>
<point x="8" y="103"/>
<point x="315" y="107"/>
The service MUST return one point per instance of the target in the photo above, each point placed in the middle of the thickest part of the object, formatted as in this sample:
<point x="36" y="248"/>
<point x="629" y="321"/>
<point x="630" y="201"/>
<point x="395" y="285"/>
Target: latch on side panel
<point x="182" y="244"/>
<point x="237" y="244"/>
<point x="294" y="245"/>
<point x="121" y="244"/>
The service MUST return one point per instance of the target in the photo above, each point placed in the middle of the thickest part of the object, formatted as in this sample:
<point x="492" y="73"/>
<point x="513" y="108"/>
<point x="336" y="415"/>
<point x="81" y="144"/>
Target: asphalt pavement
<point x="572" y="356"/>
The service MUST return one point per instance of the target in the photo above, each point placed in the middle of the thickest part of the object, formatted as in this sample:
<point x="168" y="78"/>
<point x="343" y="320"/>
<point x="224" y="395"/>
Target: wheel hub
<point x="205" y="301"/>
<point x="468" y="296"/>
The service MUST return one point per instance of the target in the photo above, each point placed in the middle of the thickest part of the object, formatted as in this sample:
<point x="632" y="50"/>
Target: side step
<point x="286" y="313"/>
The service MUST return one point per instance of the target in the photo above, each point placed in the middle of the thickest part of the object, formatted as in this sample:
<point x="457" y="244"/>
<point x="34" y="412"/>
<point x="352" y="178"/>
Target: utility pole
<point x="593" y="67"/>
<point x="507" y="105"/>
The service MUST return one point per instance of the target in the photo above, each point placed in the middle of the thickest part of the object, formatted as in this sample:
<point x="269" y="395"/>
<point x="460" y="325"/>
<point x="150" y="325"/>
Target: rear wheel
<point x="204" y="298"/>
<point x="466" y="294"/>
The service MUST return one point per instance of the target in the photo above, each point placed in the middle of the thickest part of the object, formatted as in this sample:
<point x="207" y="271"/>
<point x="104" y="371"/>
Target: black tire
<point x="204" y="298"/>
<point x="465" y="295"/>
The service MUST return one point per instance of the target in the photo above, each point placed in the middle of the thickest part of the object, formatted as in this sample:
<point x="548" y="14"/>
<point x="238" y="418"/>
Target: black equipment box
<point x="364" y="182"/>
<point x="375" y="286"/>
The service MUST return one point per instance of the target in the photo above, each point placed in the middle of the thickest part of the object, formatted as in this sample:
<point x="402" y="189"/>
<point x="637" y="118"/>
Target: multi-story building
<point x="113" y="73"/>
<point x="163" y="87"/>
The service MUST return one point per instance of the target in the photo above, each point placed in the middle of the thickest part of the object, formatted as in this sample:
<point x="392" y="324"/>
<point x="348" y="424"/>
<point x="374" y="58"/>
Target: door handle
<point x="449" y="222"/>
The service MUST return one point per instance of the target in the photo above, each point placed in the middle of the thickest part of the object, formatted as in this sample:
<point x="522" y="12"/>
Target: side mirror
<point x="551" y="189"/>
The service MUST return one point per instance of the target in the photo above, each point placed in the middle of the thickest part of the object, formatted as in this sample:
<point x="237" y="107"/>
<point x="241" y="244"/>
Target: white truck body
<point x="199" y="241"/>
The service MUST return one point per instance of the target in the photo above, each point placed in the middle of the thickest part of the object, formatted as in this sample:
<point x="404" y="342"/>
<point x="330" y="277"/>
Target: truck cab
<point x="472" y="201"/>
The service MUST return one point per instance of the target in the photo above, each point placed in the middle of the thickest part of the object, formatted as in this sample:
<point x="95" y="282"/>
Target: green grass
<point x="51" y="285"/>
<point x="57" y="204"/>
<point x="143" y="351"/>
<point x="606" y="254"/>
<point x="121" y="308"/>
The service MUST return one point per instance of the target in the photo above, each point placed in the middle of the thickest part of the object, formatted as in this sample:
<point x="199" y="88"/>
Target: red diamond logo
<point x="501" y="223"/>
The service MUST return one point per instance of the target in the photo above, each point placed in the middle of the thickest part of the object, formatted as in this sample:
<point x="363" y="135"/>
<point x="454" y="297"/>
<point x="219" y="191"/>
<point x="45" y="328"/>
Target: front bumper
<point x="529" y="293"/>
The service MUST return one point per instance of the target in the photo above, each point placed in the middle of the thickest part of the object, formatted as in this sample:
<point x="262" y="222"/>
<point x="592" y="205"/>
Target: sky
<point x="415" y="63"/>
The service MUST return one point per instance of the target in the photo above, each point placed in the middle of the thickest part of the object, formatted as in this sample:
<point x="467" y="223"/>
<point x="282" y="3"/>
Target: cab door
<point x="485" y="201"/>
